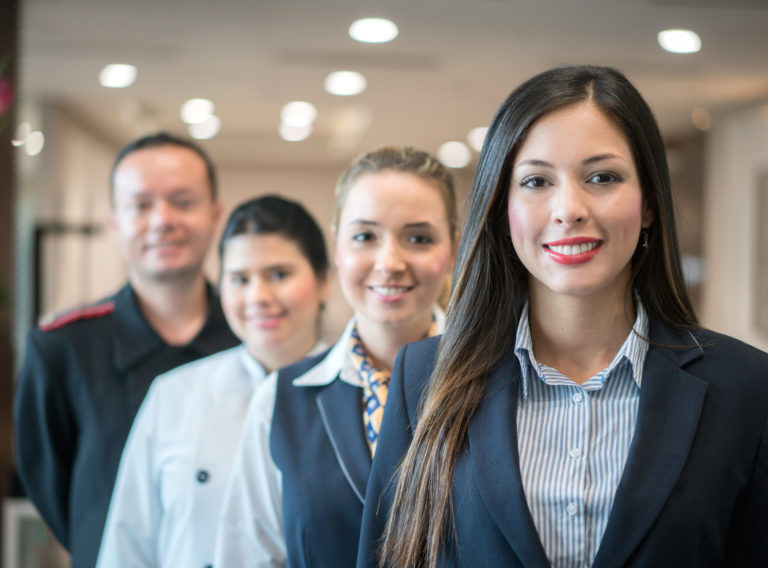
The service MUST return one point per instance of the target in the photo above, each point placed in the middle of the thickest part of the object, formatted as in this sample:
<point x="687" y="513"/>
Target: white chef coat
<point x="250" y="531"/>
<point x="176" y="463"/>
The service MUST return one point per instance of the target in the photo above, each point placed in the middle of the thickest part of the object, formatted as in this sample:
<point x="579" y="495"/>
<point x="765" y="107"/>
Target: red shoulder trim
<point x="88" y="312"/>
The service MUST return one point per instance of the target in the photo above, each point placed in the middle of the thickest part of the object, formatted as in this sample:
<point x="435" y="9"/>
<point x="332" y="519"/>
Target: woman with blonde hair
<point x="573" y="413"/>
<point x="297" y="491"/>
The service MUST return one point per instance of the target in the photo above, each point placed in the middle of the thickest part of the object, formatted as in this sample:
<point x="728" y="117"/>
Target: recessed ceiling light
<point x="454" y="154"/>
<point x="298" y="113"/>
<point x="679" y="41"/>
<point x="195" y="111"/>
<point x="373" y="30"/>
<point x="476" y="137"/>
<point x="35" y="143"/>
<point x="206" y="129"/>
<point x="294" y="133"/>
<point x="117" y="75"/>
<point x="345" y="83"/>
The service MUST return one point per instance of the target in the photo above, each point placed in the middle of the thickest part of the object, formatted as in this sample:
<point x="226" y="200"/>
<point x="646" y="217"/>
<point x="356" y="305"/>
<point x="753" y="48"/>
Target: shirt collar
<point x="332" y="364"/>
<point x="135" y="340"/>
<point x="633" y="349"/>
<point x="256" y="370"/>
<point x="338" y="363"/>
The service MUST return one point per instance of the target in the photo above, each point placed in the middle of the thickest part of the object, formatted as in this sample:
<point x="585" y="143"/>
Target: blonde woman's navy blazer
<point x="694" y="491"/>
<point x="318" y="442"/>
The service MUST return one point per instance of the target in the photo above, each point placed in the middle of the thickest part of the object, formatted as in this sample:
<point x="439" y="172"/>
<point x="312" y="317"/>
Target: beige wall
<point x="735" y="237"/>
<point x="65" y="184"/>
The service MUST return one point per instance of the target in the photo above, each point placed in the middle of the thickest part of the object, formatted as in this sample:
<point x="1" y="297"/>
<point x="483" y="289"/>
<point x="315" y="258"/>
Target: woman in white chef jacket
<point x="174" y="468"/>
<point x="296" y="495"/>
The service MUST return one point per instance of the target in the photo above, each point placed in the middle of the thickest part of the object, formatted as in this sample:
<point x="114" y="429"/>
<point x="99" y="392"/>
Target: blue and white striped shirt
<point x="573" y="442"/>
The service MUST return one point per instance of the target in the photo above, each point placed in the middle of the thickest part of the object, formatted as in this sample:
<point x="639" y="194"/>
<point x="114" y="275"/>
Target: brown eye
<point x="420" y="239"/>
<point x="362" y="237"/>
<point x="604" y="178"/>
<point x="534" y="182"/>
<point x="278" y="275"/>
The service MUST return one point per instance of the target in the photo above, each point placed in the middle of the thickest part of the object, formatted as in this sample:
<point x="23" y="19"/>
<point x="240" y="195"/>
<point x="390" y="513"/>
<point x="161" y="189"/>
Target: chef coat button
<point x="202" y="476"/>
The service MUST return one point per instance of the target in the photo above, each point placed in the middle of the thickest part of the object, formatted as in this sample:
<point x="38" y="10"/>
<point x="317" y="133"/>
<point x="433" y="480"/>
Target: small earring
<point x="645" y="238"/>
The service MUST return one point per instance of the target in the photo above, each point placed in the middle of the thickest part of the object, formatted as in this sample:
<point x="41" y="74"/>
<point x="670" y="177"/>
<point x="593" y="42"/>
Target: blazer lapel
<point x="493" y="449"/>
<point x="341" y="409"/>
<point x="668" y="415"/>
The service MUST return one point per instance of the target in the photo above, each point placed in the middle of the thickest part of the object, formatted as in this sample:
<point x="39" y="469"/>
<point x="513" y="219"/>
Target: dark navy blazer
<point x="318" y="443"/>
<point x="695" y="486"/>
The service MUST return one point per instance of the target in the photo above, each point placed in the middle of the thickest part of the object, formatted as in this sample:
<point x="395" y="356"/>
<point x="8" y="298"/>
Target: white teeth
<point x="388" y="290"/>
<point x="569" y="250"/>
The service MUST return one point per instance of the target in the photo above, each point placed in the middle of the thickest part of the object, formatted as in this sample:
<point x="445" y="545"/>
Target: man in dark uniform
<point x="86" y="373"/>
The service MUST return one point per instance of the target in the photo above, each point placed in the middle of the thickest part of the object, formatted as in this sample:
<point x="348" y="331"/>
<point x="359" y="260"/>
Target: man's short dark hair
<point x="164" y="139"/>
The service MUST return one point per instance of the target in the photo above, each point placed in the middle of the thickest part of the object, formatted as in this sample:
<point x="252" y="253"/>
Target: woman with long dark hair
<point x="573" y="413"/>
<point x="176" y="463"/>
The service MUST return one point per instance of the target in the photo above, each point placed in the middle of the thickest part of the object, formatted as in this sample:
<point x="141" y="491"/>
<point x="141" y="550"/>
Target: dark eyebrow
<point x="533" y="162"/>
<point x="586" y="161"/>
<point x="599" y="158"/>
<point x="183" y="191"/>
<point x="419" y="225"/>
<point x="278" y="266"/>
<point x="268" y="268"/>
<point x="414" y="225"/>
<point x="362" y="222"/>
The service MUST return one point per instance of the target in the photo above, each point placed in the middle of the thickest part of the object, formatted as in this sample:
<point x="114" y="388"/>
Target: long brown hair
<point x="491" y="284"/>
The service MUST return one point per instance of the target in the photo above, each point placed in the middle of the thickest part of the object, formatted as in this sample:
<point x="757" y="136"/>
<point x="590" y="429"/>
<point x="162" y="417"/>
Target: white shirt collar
<point x="338" y="362"/>
<point x="256" y="371"/>
<point x="326" y="370"/>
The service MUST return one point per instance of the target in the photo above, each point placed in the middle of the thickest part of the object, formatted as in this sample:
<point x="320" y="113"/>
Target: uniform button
<point x="572" y="509"/>
<point x="577" y="398"/>
<point x="202" y="476"/>
<point x="576" y="453"/>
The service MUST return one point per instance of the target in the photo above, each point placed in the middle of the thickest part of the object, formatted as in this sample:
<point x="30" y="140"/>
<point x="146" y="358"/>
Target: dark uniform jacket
<point x="694" y="491"/>
<point x="84" y="377"/>
<point x="318" y="442"/>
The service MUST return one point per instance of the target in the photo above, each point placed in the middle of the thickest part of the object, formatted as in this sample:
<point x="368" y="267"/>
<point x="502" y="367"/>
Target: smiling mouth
<point x="570" y="250"/>
<point x="265" y="321"/>
<point x="390" y="290"/>
<point x="161" y="246"/>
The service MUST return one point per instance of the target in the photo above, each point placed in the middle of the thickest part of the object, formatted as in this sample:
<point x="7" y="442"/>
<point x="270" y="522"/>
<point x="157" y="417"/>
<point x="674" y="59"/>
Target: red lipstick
<point x="575" y="250"/>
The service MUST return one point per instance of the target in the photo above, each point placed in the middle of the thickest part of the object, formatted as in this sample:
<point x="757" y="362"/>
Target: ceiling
<point x="448" y="70"/>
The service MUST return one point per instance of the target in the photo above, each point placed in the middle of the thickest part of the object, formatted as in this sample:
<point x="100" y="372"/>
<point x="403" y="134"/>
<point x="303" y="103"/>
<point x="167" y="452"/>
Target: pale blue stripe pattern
<point x="573" y="442"/>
